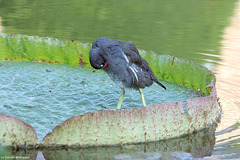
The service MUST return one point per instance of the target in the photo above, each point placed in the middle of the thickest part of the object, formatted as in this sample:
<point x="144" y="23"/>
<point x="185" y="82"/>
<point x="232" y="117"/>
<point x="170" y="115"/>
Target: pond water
<point x="204" y="31"/>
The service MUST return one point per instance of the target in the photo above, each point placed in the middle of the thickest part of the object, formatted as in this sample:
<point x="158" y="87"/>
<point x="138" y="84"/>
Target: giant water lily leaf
<point x="152" y="123"/>
<point x="199" y="144"/>
<point x="51" y="50"/>
<point x="172" y="69"/>
<point x="14" y="132"/>
<point x="180" y="71"/>
<point x="120" y="127"/>
<point x="203" y="111"/>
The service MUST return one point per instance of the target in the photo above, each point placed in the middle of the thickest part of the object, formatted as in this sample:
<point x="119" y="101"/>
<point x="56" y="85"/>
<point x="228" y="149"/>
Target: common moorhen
<point x="123" y="64"/>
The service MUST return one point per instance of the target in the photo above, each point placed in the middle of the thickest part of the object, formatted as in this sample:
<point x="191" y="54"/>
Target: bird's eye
<point x="101" y="65"/>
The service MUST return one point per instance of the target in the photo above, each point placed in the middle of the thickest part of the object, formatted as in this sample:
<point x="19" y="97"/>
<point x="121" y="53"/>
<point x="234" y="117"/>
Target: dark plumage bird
<point x="124" y="65"/>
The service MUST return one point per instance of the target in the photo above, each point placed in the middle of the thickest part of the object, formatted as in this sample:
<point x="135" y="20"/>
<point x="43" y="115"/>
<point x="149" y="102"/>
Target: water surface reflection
<point x="196" y="145"/>
<point x="228" y="88"/>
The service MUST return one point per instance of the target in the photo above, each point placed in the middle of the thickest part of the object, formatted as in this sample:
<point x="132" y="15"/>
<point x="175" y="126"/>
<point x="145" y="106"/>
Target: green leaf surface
<point x="14" y="132"/>
<point x="34" y="48"/>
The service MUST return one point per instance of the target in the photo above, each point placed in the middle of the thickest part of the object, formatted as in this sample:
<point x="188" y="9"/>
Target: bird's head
<point x="96" y="58"/>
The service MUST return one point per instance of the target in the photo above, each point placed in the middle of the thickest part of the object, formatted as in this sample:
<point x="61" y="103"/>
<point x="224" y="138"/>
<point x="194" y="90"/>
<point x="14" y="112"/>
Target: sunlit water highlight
<point x="228" y="87"/>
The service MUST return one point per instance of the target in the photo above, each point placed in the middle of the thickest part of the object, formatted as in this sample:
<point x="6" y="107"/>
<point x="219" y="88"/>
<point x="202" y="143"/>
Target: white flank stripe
<point x="135" y="69"/>
<point x="125" y="57"/>
<point x="135" y="74"/>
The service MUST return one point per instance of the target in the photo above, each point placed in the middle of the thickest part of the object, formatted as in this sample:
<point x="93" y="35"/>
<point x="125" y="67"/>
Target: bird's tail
<point x="160" y="84"/>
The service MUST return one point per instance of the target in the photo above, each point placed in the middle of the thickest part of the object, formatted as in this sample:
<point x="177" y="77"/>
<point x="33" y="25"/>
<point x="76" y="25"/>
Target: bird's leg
<point x="142" y="96"/>
<point x="121" y="99"/>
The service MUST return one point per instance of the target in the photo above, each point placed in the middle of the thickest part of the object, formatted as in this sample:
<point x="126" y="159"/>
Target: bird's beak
<point x="105" y="65"/>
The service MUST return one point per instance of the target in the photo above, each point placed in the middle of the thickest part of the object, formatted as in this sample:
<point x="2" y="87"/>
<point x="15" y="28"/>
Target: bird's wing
<point x="147" y="69"/>
<point x="132" y="53"/>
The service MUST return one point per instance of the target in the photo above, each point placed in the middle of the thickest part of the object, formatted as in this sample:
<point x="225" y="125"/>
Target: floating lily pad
<point x="146" y="124"/>
<point x="14" y="132"/>
<point x="158" y="121"/>
<point x="67" y="91"/>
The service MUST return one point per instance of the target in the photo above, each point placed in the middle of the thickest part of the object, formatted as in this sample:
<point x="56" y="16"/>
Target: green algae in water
<point x="44" y="95"/>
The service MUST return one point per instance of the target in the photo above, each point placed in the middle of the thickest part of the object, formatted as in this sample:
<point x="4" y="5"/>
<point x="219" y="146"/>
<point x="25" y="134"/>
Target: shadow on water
<point x="196" y="145"/>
